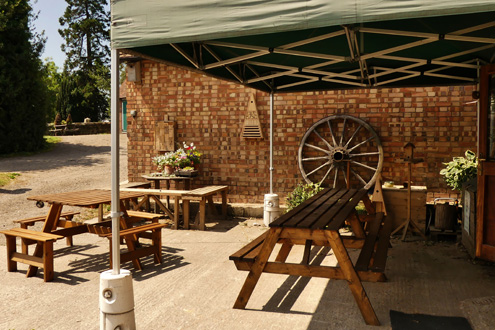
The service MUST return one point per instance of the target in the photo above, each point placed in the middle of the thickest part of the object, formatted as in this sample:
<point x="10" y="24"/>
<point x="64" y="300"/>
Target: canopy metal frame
<point x="255" y="64"/>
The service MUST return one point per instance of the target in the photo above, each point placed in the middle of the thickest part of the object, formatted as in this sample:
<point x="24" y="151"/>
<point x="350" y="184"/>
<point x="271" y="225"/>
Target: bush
<point x="301" y="193"/>
<point x="460" y="170"/>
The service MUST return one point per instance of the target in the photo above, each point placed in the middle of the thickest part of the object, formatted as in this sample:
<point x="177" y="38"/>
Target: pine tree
<point x="86" y="30"/>
<point x="23" y="94"/>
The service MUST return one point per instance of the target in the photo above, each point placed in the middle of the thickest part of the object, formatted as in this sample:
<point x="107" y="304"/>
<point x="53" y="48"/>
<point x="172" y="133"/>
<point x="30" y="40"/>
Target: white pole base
<point x="271" y="209"/>
<point x="116" y="301"/>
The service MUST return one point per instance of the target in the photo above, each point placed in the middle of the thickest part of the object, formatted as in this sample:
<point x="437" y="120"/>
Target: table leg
<point x="284" y="252"/>
<point x="224" y="203"/>
<point x="167" y="186"/>
<point x="352" y="278"/>
<point x="176" y="212"/>
<point x="257" y="268"/>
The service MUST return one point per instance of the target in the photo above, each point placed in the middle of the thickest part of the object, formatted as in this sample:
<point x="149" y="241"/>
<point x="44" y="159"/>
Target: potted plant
<point x="193" y="155"/>
<point x="460" y="170"/>
<point x="166" y="163"/>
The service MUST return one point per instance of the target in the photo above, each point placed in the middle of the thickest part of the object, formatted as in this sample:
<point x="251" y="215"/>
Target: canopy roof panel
<point x="290" y="45"/>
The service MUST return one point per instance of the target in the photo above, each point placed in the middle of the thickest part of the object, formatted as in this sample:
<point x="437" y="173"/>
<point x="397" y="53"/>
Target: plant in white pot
<point x="460" y="170"/>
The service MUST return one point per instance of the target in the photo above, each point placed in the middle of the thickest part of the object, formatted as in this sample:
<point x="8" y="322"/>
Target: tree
<point x="51" y="78"/>
<point x="86" y="30"/>
<point x="23" y="100"/>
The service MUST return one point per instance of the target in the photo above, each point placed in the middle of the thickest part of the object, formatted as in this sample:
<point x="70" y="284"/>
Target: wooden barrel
<point x="445" y="216"/>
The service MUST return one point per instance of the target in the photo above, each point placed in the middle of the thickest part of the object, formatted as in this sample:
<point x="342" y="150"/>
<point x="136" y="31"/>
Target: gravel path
<point x="76" y="163"/>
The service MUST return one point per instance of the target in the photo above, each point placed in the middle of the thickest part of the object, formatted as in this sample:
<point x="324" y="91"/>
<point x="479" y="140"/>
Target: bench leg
<point x="257" y="268"/>
<point x="11" y="249"/>
<point x="352" y="278"/>
<point x="48" y="261"/>
<point x="38" y="252"/>
<point x="176" y="212"/>
<point x="185" y="214"/>
<point x="156" y="238"/>
<point x="202" y="214"/>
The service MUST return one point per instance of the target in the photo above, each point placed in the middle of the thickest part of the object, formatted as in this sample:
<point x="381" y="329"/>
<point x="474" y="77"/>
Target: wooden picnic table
<point x="317" y="222"/>
<point x="91" y="199"/>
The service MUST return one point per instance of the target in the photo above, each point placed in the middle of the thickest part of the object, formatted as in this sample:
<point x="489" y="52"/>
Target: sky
<point x="49" y="11"/>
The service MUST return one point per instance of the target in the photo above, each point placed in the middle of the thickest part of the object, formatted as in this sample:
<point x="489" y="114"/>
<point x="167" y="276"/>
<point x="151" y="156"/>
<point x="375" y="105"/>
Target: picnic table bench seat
<point x="373" y="256"/>
<point x="137" y="251"/>
<point x="44" y="241"/>
<point x="25" y="223"/>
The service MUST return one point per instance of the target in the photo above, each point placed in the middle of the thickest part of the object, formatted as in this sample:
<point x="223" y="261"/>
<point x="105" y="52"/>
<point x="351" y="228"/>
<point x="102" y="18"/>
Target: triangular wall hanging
<point x="252" y="126"/>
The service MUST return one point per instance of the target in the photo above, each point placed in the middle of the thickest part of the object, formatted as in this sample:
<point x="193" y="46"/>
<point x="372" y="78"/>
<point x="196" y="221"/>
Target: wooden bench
<point x="45" y="240"/>
<point x="25" y="223"/>
<point x="202" y="195"/>
<point x="373" y="256"/>
<point x="370" y="264"/>
<point x="140" y="216"/>
<point x="134" y="252"/>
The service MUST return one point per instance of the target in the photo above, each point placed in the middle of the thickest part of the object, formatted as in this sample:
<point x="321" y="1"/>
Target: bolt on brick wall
<point x="210" y="113"/>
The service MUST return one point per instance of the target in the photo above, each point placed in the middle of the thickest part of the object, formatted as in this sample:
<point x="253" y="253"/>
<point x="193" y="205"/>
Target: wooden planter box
<point x="186" y="173"/>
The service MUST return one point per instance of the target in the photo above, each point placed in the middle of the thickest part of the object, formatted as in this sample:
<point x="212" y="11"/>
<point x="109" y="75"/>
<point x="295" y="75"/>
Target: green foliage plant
<point x="23" y="93"/>
<point x="301" y="193"/>
<point x="460" y="170"/>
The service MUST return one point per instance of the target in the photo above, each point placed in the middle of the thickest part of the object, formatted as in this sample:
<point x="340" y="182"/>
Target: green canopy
<point x="294" y="45"/>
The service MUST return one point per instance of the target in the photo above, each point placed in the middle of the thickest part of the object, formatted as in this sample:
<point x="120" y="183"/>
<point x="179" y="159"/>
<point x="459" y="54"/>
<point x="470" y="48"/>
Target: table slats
<point x="85" y="198"/>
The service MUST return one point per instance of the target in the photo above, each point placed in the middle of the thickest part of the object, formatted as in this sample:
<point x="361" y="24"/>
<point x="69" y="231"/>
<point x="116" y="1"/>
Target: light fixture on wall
<point x="133" y="113"/>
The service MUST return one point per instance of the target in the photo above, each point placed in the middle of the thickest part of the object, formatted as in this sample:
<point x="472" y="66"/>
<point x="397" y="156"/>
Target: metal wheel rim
<point x="336" y="149"/>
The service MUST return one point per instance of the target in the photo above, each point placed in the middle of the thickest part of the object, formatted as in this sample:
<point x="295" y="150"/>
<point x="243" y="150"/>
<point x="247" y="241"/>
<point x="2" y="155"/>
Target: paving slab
<point x="196" y="286"/>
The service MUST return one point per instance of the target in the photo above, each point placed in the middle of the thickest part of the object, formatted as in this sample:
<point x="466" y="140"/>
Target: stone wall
<point x="210" y="113"/>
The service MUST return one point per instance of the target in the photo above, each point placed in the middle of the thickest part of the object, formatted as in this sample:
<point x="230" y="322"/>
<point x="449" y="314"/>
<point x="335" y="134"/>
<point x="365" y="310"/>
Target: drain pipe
<point x="271" y="205"/>
<point x="116" y="295"/>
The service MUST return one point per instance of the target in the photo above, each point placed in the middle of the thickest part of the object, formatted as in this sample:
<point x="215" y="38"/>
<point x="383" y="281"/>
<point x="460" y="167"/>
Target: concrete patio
<point x="196" y="287"/>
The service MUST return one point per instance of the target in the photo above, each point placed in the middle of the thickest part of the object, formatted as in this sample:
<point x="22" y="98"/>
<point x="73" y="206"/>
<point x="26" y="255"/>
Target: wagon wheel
<point x="335" y="144"/>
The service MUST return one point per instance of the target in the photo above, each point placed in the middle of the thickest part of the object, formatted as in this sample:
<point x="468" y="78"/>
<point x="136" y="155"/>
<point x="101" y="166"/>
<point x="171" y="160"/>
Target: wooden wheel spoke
<point x="358" y="176"/>
<point x="318" y="168"/>
<point x="326" y="174"/>
<point x="364" y="165"/>
<point x="360" y="144"/>
<point x="364" y="154"/>
<point x="345" y="175"/>
<point x="331" y="133"/>
<point x="335" y="177"/>
<point x="343" y="132"/>
<point x="324" y="141"/>
<point x="353" y="135"/>
<point x="314" y="158"/>
<point x="317" y="148"/>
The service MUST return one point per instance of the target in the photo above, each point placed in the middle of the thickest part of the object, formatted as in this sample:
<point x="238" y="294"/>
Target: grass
<point x="50" y="142"/>
<point x="6" y="178"/>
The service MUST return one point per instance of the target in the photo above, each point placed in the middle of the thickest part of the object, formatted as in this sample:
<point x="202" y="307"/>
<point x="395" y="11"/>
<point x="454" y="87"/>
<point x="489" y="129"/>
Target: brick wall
<point x="210" y="113"/>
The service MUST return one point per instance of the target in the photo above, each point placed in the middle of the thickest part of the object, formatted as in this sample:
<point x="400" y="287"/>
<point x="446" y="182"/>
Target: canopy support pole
<point x="271" y="143"/>
<point x="115" y="207"/>
<point x="116" y="294"/>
